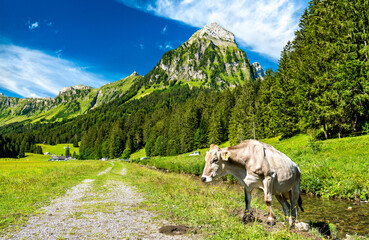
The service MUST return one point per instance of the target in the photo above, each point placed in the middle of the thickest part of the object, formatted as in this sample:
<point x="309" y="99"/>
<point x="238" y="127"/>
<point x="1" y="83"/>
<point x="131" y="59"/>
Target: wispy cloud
<point x="59" y="53"/>
<point x="142" y="47"/>
<point x="33" y="25"/>
<point x="166" y="46"/>
<point x="264" y="26"/>
<point x="164" y="30"/>
<point x="32" y="73"/>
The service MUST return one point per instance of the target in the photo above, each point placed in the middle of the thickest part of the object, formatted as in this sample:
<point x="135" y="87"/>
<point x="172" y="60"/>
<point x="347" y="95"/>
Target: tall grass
<point x="29" y="183"/>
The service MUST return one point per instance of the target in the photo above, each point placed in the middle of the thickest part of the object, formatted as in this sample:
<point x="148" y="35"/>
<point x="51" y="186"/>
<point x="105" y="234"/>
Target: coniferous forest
<point x="321" y="87"/>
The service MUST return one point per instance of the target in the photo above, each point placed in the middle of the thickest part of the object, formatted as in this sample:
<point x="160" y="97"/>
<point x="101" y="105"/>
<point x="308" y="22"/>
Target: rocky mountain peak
<point x="210" y="58"/>
<point x="134" y="74"/>
<point x="73" y="89"/>
<point x="215" y="33"/>
<point x="259" y="70"/>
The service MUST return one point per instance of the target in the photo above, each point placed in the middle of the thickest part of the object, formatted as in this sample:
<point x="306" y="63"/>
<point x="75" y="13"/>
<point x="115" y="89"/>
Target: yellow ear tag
<point x="226" y="156"/>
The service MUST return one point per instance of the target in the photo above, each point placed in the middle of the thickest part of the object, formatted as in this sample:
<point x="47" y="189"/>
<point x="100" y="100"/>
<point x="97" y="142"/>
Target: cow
<point x="258" y="165"/>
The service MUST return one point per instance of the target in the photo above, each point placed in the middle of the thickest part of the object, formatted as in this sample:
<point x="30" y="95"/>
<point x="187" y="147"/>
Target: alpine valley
<point x="207" y="92"/>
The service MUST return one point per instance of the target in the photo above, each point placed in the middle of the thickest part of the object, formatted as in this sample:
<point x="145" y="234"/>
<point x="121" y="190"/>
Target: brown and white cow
<point x="258" y="165"/>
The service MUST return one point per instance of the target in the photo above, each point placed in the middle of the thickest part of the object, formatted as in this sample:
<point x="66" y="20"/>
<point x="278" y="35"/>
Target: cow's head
<point x="215" y="161"/>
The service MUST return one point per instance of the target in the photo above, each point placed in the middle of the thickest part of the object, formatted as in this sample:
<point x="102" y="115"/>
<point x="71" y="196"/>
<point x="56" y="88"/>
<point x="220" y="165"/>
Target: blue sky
<point x="48" y="45"/>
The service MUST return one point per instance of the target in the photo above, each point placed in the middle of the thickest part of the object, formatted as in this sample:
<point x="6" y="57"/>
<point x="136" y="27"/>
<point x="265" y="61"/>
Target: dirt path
<point x="109" y="211"/>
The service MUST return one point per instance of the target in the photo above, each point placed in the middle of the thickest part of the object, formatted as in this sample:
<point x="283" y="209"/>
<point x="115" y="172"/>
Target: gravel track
<point x="111" y="212"/>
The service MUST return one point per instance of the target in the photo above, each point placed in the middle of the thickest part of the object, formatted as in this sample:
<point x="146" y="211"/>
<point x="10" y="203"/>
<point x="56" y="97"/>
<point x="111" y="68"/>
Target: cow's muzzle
<point x="206" y="178"/>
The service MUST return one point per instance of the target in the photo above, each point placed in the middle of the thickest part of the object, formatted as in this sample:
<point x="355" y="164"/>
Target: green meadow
<point x="29" y="183"/>
<point x="58" y="149"/>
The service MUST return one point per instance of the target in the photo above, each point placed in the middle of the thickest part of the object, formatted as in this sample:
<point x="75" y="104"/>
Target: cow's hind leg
<point x="294" y="198"/>
<point x="285" y="205"/>
<point x="268" y="182"/>
<point x="247" y="216"/>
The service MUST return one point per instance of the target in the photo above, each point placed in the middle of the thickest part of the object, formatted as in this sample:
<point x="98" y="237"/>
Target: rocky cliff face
<point x="210" y="58"/>
<point x="258" y="70"/>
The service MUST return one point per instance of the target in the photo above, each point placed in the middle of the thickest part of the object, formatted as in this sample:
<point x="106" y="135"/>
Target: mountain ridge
<point x="70" y="102"/>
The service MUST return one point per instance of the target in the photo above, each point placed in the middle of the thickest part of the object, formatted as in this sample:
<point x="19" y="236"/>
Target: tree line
<point x="16" y="145"/>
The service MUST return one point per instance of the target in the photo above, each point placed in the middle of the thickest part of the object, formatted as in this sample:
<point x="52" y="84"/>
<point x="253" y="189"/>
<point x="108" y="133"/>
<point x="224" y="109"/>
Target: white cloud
<point x="142" y="47"/>
<point x="264" y="26"/>
<point x="32" y="25"/>
<point x="32" y="73"/>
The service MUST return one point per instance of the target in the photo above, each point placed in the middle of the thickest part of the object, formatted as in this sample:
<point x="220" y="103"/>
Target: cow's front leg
<point x="247" y="216"/>
<point x="268" y="182"/>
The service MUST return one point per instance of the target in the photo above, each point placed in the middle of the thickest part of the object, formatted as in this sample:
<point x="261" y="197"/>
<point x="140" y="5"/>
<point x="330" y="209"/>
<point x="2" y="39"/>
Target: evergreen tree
<point x="215" y="132"/>
<point x="67" y="151"/>
<point x="116" y="141"/>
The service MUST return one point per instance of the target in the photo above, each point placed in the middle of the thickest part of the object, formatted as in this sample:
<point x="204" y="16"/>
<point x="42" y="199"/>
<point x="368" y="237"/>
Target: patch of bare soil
<point x="174" y="230"/>
<point x="262" y="217"/>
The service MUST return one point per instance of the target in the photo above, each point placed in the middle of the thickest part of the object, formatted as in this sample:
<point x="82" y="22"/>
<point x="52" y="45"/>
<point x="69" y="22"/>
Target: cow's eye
<point x="214" y="160"/>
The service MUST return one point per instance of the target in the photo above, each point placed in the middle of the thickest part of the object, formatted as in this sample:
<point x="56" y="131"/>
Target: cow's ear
<point x="214" y="146"/>
<point x="225" y="155"/>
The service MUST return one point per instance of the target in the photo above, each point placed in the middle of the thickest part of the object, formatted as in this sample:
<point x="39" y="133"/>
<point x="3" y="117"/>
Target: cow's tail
<point x="300" y="203"/>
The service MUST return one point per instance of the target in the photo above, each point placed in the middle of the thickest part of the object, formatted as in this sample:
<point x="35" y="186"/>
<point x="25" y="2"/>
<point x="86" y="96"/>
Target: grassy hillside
<point x="334" y="168"/>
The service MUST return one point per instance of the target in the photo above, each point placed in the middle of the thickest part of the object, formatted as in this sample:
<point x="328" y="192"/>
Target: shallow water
<point x="349" y="217"/>
<point x="337" y="212"/>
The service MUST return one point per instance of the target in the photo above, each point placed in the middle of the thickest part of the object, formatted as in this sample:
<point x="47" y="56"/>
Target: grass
<point x="335" y="168"/>
<point x="211" y="210"/>
<point x="27" y="184"/>
<point x="58" y="149"/>
<point x="139" y="154"/>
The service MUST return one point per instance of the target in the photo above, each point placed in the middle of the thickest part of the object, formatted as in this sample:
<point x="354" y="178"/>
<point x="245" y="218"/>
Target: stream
<point x="349" y="217"/>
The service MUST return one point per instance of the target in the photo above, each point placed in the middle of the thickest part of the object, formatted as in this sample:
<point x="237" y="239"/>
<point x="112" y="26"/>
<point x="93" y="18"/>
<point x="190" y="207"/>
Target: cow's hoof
<point x="248" y="218"/>
<point x="271" y="223"/>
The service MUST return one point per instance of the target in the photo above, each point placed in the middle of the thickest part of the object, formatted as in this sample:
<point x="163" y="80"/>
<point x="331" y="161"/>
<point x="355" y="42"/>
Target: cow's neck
<point x="236" y="166"/>
<point x="235" y="158"/>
